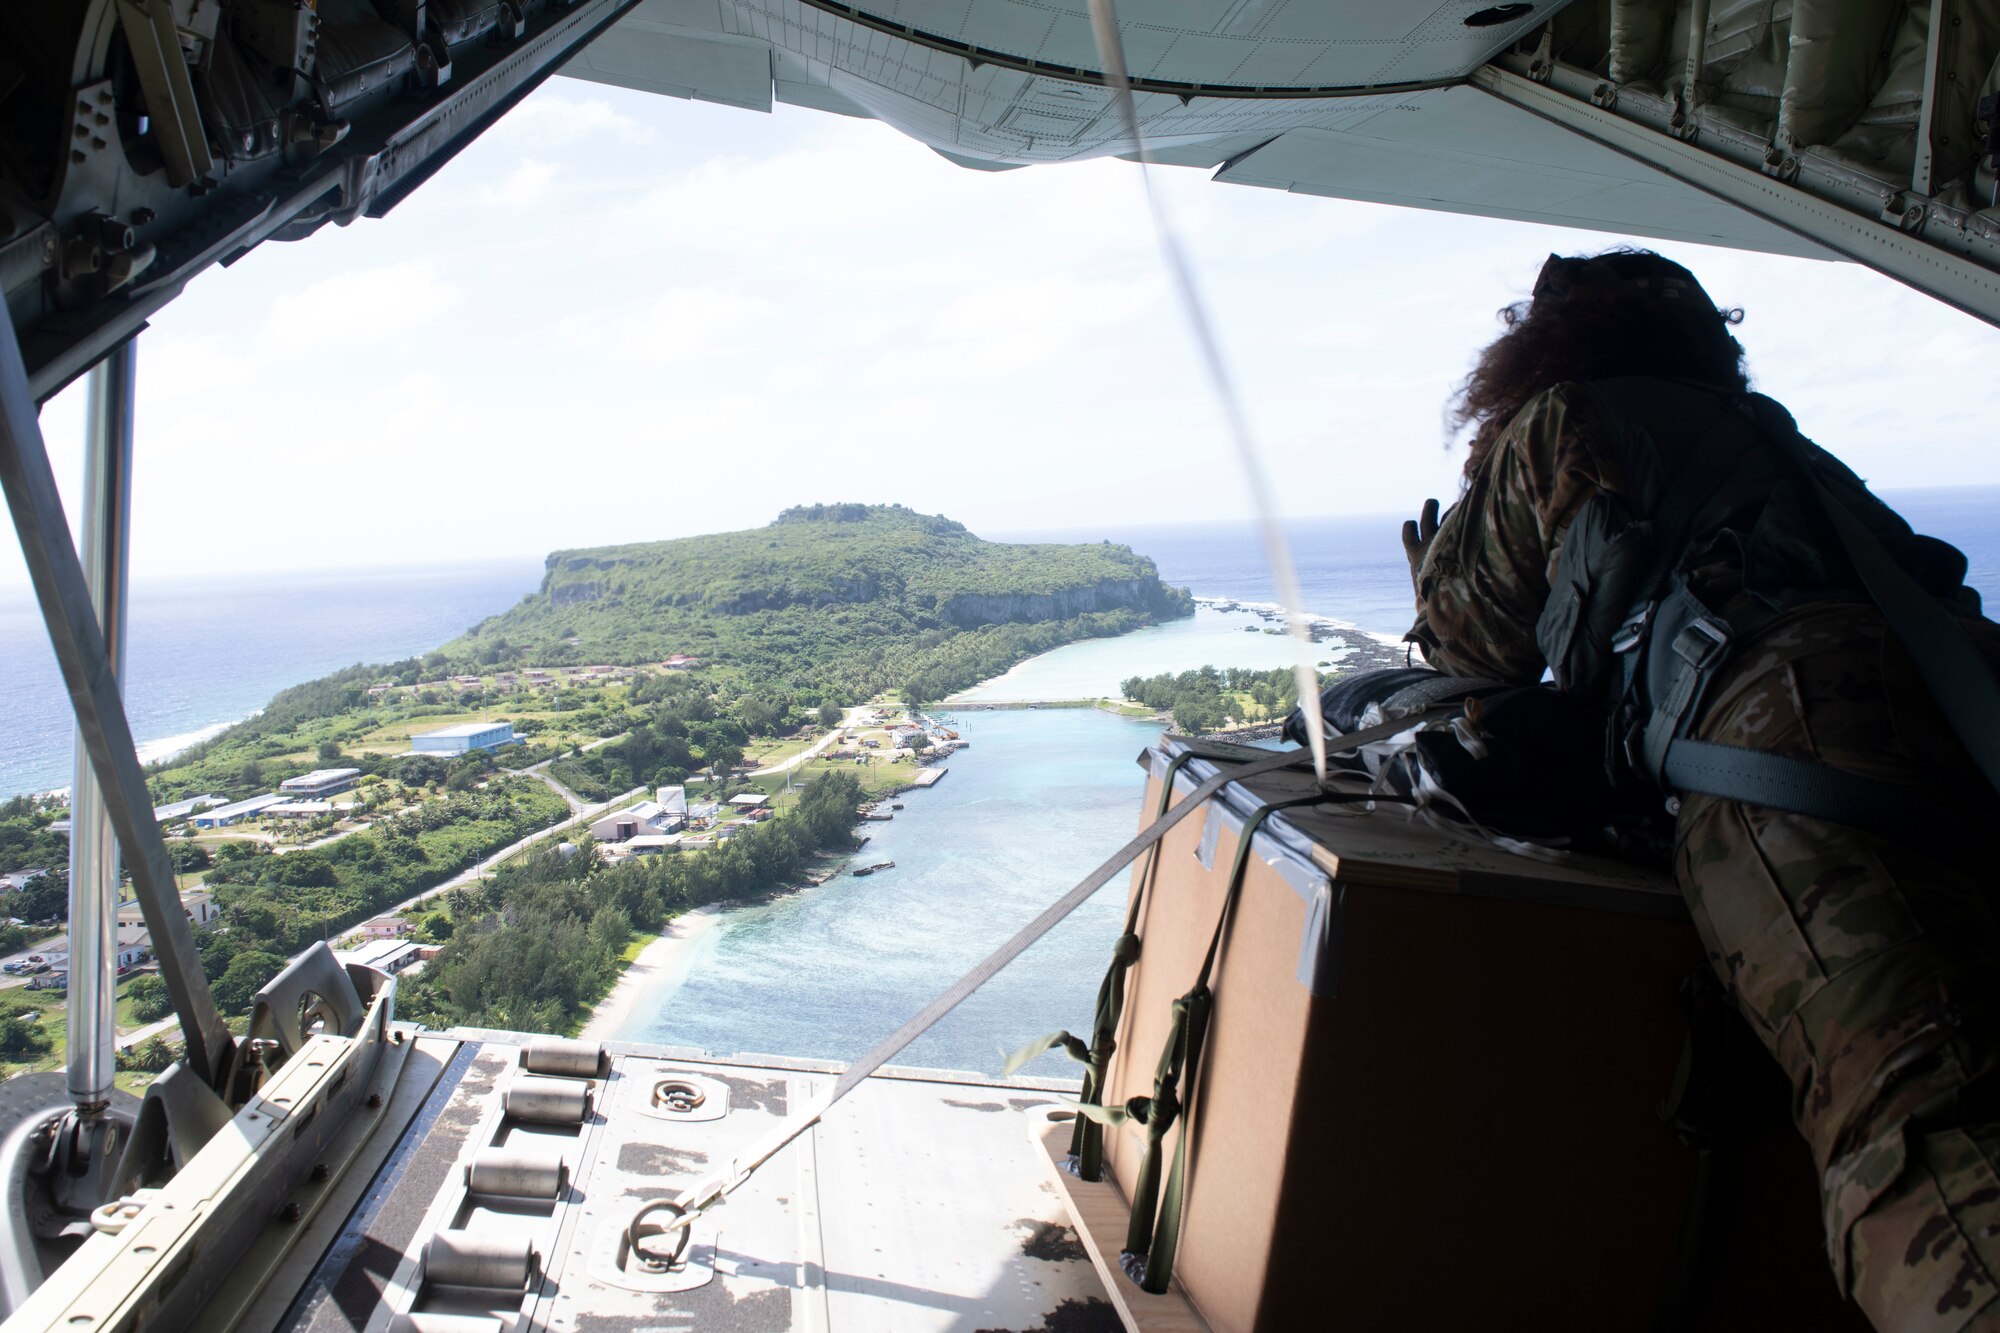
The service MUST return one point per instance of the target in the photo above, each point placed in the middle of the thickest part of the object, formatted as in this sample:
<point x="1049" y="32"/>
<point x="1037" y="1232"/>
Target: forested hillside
<point x="790" y="623"/>
<point x="540" y="943"/>
<point x="831" y="600"/>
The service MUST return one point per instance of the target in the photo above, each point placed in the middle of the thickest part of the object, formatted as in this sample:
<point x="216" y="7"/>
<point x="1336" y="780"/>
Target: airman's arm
<point x="1485" y="576"/>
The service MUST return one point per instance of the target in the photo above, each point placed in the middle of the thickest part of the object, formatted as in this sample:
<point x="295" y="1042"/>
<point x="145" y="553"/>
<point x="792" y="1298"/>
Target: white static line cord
<point x="1277" y="550"/>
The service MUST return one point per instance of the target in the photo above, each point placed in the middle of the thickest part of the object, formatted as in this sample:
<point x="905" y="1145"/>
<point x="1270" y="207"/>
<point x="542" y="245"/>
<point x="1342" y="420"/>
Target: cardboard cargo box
<point x="1431" y="1087"/>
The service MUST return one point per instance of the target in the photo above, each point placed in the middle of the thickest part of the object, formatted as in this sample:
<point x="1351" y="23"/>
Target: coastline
<point x="164" y="750"/>
<point x="1310" y="617"/>
<point x="672" y="951"/>
<point x="668" y="959"/>
<point x="959" y="699"/>
<point x="169" y="748"/>
<point x="1341" y="636"/>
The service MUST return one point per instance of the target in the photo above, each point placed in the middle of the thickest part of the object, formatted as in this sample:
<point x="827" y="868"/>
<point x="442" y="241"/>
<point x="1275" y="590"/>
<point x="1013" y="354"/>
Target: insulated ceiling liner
<point x="1458" y="150"/>
<point x="1453" y="149"/>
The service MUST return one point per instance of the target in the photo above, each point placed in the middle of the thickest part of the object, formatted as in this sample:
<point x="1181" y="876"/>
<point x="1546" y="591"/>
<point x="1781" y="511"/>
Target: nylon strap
<point x="706" y="1192"/>
<point x="1087" y="1139"/>
<point x="1086" y="1142"/>
<point x="1951" y="667"/>
<point x="1808" y="787"/>
<point x="1155" y="1228"/>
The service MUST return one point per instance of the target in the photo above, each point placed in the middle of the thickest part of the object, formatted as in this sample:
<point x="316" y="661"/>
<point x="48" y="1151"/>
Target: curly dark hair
<point x="1623" y="312"/>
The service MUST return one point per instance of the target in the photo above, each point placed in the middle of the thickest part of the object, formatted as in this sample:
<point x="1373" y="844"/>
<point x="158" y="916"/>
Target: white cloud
<point x="660" y="330"/>
<point x="347" y="311"/>
<point x="617" y="317"/>
<point x="527" y="185"/>
<point x="557" y="117"/>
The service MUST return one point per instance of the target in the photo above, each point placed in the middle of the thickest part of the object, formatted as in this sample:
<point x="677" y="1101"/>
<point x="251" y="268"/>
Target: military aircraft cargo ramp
<point x="473" y="1193"/>
<point x="1395" y="1091"/>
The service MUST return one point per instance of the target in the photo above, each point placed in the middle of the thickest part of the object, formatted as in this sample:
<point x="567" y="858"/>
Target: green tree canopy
<point x="150" y="1002"/>
<point x="243" y="978"/>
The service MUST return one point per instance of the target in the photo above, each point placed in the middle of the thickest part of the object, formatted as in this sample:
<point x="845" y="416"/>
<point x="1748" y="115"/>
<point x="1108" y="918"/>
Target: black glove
<point x="1418" y="534"/>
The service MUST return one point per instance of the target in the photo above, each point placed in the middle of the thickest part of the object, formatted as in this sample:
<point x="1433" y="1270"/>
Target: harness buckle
<point x="1633" y="632"/>
<point x="1701" y="641"/>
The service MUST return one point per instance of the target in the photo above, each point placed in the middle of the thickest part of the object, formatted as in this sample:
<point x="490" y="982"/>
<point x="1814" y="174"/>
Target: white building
<point x="135" y="946"/>
<point x="749" y="800"/>
<point x="463" y="738"/>
<point x="167" y="814"/>
<point x="16" y="880"/>
<point x="299" y="809"/>
<point x="647" y="817"/>
<point x="320" y="783"/>
<point x="197" y="903"/>
<point x="224" y="816"/>
<point x="391" y="956"/>
<point x="674" y="800"/>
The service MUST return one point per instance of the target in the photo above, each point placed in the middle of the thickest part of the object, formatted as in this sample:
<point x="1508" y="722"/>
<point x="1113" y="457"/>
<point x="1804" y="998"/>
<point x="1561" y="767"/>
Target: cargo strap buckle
<point x="1633" y="632"/>
<point x="1701" y="641"/>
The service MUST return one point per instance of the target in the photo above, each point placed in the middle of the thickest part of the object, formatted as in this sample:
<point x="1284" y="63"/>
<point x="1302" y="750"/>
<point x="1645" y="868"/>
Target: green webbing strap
<point x="1153" y="1236"/>
<point x="1087" y="1139"/>
<point x="1126" y="953"/>
<point x="1943" y="653"/>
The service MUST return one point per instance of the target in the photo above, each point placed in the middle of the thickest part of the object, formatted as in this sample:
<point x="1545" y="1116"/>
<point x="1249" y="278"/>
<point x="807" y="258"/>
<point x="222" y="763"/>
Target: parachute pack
<point x="1635" y="636"/>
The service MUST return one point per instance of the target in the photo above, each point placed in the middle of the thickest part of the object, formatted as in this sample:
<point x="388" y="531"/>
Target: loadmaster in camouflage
<point x="1868" y="966"/>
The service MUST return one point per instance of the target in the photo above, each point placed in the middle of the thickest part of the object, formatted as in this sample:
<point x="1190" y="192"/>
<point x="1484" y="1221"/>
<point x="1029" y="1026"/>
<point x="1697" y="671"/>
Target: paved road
<point x="570" y="798"/>
<point x="170" y="1025"/>
<point x="472" y="873"/>
<point x="810" y="751"/>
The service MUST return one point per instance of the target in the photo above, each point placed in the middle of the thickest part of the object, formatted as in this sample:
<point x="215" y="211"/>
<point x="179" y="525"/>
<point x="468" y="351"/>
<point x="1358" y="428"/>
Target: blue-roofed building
<point x="464" y="738"/>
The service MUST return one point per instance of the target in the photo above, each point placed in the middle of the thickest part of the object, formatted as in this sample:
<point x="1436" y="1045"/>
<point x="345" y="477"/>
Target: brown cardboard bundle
<point x="1430" y="1092"/>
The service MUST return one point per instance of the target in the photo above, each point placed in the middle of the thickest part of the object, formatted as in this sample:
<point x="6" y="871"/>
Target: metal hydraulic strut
<point x="93" y="847"/>
<point x="70" y="613"/>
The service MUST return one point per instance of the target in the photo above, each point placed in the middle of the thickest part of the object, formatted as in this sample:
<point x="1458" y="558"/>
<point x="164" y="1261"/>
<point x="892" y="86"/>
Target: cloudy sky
<point x="619" y="317"/>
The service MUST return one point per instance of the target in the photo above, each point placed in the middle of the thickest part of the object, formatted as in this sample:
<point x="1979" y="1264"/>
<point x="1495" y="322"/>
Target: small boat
<point x="895" y="805"/>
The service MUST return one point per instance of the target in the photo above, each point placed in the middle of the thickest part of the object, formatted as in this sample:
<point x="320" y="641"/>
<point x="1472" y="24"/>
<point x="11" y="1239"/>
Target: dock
<point x="929" y="777"/>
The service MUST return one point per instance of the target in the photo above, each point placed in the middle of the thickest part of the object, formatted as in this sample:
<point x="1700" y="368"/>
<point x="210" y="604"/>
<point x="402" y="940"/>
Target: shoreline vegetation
<point x="727" y="665"/>
<point x="661" y="664"/>
<point x="1223" y="702"/>
<point x="669" y="953"/>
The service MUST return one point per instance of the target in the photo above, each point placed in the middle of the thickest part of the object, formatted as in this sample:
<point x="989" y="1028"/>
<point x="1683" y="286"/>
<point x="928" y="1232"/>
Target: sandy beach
<point x="672" y="951"/>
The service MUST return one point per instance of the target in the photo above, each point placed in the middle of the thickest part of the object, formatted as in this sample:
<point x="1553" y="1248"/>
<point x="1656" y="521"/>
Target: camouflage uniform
<point x="1867" y="966"/>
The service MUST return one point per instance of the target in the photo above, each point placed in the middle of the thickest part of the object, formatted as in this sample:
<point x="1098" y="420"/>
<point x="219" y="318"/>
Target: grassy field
<point x="19" y="1001"/>
<point x="557" y="726"/>
<point x="876" y="775"/>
